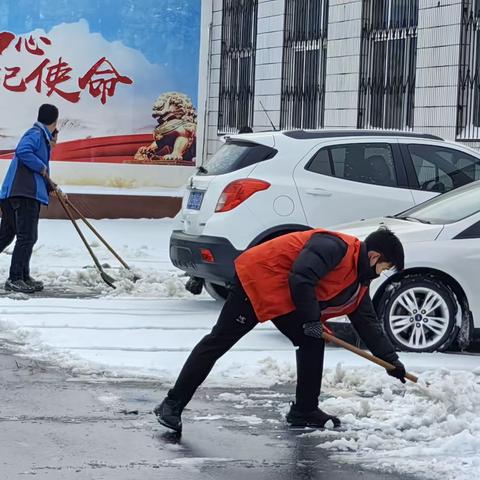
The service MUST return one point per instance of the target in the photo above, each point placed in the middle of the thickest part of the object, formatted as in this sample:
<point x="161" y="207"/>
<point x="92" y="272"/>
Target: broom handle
<point x="368" y="356"/>
<point x="98" y="235"/>
<point x="84" y="240"/>
<point x="87" y="223"/>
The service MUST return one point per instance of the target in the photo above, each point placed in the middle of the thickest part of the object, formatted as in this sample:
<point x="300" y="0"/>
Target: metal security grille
<point x="388" y="61"/>
<point x="237" y="65"/>
<point x="468" y="111"/>
<point x="304" y="64"/>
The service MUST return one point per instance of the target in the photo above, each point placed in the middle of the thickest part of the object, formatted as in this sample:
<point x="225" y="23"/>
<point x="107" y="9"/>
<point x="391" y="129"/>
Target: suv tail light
<point x="237" y="192"/>
<point x="207" y="255"/>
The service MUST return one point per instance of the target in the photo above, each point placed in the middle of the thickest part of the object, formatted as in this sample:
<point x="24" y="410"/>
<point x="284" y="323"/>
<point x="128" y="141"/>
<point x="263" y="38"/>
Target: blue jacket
<point x="32" y="155"/>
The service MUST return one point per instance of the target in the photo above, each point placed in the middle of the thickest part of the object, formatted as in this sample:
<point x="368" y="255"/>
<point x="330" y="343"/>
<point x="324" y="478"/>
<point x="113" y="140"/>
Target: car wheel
<point x="419" y="314"/>
<point x="218" y="292"/>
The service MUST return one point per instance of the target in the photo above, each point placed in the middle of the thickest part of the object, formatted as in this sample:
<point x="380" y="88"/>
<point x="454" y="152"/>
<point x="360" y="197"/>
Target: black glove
<point x="399" y="371"/>
<point x="313" y="329"/>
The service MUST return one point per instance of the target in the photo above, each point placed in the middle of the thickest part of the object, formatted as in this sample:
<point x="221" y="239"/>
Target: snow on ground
<point x="148" y="328"/>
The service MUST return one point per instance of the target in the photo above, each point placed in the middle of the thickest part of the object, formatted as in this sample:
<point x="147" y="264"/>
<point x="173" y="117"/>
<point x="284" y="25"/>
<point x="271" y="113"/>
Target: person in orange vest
<point x="298" y="281"/>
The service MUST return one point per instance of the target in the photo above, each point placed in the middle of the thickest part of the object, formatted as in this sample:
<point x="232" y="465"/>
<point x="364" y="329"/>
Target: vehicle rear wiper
<point x="414" y="219"/>
<point x="202" y="169"/>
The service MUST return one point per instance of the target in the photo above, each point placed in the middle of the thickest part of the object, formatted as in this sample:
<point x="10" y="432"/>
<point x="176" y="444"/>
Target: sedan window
<point x="448" y="208"/>
<point x="440" y="169"/>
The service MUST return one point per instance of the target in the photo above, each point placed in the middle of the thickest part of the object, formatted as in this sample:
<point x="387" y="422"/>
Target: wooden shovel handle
<point x="368" y="356"/>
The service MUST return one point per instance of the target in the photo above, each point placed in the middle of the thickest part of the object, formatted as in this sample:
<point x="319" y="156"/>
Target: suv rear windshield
<point x="236" y="155"/>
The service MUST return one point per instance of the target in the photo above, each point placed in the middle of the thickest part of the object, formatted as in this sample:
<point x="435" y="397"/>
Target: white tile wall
<point x="272" y="54"/>
<point x="270" y="24"/>
<point x="426" y="4"/>
<point x="435" y="117"/>
<point x="270" y="8"/>
<point x="264" y="40"/>
<point x="436" y="96"/>
<point x="341" y="100"/>
<point x="343" y="64"/>
<point x="268" y="69"/>
<point x="437" y="66"/>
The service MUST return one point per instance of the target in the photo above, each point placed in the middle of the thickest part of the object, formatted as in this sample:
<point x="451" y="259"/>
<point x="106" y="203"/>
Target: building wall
<point x="436" y="76"/>
<point x="204" y="79"/>
<point x="436" y="88"/>
<point x="268" y="64"/>
<point x="343" y="63"/>
<point x="210" y="42"/>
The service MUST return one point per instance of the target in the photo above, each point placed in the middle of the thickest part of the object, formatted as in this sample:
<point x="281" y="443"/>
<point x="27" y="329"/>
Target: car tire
<point x="218" y="292"/>
<point x="419" y="314"/>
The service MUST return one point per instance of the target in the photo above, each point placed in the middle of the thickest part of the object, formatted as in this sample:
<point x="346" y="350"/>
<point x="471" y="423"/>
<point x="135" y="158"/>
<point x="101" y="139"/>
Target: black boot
<point x="315" y="418"/>
<point x="169" y="414"/>
<point x="37" y="285"/>
<point x="194" y="285"/>
<point x="309" y="375"/>
<point x="305" y="412"/>
<point x="18" y="286"/>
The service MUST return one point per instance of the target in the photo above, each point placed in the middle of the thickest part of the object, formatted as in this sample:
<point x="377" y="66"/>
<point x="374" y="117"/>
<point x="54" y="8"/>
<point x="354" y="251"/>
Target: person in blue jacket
<point x="24" y="189"/>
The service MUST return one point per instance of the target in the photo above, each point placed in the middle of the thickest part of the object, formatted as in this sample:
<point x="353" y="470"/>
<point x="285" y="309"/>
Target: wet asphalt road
<point x="54" y="425"/>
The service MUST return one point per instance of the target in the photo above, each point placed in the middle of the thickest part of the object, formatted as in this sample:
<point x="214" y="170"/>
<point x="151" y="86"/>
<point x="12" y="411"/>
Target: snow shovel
<point x="368" y="356"/>
<point x="82" y="217"/>
<point x="104" y="275"/>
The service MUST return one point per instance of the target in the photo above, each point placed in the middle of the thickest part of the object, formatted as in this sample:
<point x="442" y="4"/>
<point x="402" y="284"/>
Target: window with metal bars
<point x="388" y="60"/>
<point x="304" y="64"/>
<point x="237" y="65"/>
<point x="468" y="109"/>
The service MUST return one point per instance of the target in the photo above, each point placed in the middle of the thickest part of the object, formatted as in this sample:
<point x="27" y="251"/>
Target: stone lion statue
<point x="174" y="138"/>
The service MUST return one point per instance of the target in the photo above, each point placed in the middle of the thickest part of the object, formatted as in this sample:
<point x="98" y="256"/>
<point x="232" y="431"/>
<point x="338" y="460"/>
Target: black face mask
<point x="373" y="272"/>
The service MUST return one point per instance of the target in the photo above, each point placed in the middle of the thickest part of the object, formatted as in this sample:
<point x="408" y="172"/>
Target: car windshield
<point x="450" y="207"/>
<point x="235" y="155"/>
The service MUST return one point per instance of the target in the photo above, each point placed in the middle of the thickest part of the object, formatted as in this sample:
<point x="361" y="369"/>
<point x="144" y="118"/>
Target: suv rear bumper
<point x="185" y="254"/>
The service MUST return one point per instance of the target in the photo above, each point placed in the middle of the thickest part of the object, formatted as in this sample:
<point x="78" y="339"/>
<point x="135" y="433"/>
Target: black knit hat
<point x="385" y="242"/>
<point x="47" y="114"/>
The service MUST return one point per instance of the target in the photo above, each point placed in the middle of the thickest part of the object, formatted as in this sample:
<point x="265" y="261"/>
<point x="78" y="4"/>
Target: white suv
<point x="262" y="185"/>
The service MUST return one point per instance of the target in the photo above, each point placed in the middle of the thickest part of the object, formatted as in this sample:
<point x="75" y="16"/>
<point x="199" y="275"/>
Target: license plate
<point x="195" y="200"/>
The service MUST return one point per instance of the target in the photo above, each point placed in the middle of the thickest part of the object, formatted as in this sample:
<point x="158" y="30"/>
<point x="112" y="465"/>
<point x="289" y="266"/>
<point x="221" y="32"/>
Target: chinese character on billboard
<point x="123" y="74"/>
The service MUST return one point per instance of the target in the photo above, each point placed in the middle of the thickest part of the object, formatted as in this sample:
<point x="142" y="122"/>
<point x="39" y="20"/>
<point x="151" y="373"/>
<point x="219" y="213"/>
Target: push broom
<point x="67" y="205"/>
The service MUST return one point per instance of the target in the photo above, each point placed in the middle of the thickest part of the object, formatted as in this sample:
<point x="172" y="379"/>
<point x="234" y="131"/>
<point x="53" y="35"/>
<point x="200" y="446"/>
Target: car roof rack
<point x="312" y="134"/>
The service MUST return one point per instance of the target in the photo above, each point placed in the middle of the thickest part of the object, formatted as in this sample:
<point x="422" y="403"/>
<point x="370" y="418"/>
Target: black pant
<point x="236" y="319"/>
<point x="20" y="219"/>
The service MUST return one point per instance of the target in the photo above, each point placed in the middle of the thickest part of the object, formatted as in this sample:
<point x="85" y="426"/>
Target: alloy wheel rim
<point x="419" y="318"/>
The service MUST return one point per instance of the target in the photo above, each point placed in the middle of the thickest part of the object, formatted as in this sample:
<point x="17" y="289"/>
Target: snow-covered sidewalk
<point x="148" y="329"/>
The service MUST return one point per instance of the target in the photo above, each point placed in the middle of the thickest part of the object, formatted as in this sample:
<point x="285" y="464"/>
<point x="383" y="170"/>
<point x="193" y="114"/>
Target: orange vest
<point x="263" y="272"/>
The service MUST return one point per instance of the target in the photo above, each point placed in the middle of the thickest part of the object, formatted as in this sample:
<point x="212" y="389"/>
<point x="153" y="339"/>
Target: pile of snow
<point x="88" y="281"/>
<point x="62" y="262"/>
<point x="429" y="431"/>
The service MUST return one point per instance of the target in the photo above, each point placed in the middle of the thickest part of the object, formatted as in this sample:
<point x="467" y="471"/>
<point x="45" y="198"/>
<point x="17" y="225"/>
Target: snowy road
<point x="56" y="427"/>
<point x="148" y="328"/>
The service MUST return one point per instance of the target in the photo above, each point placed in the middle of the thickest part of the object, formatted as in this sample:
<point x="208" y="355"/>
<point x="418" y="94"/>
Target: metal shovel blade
<point x="136" y="278"/>
<point x="107" y="279"/>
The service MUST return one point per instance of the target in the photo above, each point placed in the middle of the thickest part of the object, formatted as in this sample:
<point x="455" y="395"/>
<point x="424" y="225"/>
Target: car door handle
<point x="320" y="192"/>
